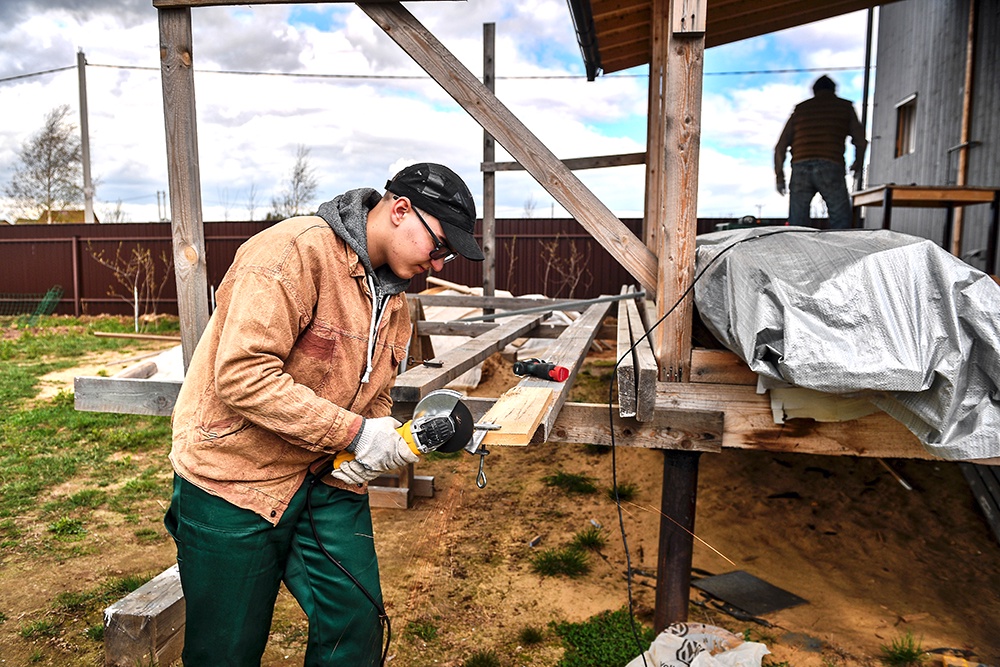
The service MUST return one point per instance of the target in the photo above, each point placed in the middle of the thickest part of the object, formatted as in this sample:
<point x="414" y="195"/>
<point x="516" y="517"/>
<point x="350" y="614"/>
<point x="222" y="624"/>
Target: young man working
<point x="296" y="365"/>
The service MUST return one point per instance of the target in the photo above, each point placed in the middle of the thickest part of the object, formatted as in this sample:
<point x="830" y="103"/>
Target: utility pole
<point x="88" y="186"/>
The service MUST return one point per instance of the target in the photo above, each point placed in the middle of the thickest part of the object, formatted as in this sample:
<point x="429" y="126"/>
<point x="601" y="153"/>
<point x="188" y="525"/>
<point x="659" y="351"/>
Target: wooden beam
<point x="183" y="175"/>
<point x="645" y="364"/>
<point x="749" y="424"/>
<point x="591" y="423"/>
<point x="473" y="329"/>
<point x="415" y="383"/>
<point x="720" y="367"/>
<point x="146" y="627"/>
<point x="672" y="174"/>
<point x="674" y="554"/>
<point x="691" y="417"/>
<point x="601" y="162"/>
<point x="489" y="216"/>
<point x="160" y="4"/>
<point x="626" y="374"/>
<point x="473" y="301"/>
<point x="514" y="136"/>
<point x="569" y="350"/>
<point x="134" y="396"/>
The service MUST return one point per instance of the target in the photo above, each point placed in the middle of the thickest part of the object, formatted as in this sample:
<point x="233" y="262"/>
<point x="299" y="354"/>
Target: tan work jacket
<point x="275" y="381"/>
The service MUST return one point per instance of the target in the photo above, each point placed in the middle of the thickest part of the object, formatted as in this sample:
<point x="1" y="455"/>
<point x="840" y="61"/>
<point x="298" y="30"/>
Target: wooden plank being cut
<point x="518" y="412"/>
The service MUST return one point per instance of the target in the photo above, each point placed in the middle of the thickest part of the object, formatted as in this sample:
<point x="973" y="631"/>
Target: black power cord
<point x="383" y="617"/>
<point x="611" y="417"/>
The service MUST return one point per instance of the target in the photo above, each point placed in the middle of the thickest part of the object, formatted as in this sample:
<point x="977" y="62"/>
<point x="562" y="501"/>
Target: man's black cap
<point x="441" y="192"/>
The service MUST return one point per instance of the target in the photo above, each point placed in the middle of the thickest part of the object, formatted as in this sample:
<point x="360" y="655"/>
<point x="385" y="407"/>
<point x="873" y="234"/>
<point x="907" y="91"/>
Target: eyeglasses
<point x="440" y="251"/>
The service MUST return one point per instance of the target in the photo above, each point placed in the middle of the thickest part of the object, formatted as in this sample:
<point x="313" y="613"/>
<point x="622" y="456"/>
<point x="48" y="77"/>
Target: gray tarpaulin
<point x="873" y="312"/>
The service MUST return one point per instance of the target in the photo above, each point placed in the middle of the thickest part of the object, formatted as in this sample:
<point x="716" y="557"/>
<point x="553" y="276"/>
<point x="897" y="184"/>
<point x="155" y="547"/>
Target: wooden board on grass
<point x="518" y="412"/>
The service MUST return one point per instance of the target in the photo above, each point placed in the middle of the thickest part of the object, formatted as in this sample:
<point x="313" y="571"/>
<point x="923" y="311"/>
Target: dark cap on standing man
<point x="824" y="83"/>
<point x="438" y="190"/>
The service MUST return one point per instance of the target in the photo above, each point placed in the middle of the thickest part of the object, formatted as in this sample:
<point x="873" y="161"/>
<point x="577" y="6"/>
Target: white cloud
<point x="359" y="130"/>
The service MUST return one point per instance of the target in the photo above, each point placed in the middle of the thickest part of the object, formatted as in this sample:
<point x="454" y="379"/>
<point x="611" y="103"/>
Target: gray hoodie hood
<point x="347" y="215"/>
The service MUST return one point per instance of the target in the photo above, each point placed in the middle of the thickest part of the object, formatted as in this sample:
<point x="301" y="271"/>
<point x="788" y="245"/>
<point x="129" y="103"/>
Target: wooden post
<point x="489" y="177"/>
<point x="190" y="268"/>
<point x="954" y="243"/>
<point x="75" y="249"/>
<point x="671" y="222"/>
<point x="673" y="563"/>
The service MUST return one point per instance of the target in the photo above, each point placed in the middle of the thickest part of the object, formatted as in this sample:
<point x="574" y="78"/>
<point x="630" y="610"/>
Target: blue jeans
<point x="232" y="562"/>
<point x="826" y="178"/>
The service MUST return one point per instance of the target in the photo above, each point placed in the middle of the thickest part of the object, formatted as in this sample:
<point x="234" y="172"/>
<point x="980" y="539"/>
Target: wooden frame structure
<point x="674" y="398"/>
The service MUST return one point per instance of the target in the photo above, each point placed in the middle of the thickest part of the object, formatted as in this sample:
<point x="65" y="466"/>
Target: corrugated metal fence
<point x="555" y="257"/>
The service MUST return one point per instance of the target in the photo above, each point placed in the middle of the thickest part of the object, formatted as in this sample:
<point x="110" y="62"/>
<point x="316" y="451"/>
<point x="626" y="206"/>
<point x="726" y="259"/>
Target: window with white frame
<point x="906" y="123"/>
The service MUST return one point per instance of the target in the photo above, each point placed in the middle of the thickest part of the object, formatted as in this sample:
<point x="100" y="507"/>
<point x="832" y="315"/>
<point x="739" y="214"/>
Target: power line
<point x="377" y="77"/>
<point x="25" y="76"/>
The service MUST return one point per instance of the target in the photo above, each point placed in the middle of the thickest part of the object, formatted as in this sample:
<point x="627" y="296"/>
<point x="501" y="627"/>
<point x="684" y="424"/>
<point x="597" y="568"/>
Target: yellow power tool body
<point x="441" y="422"/>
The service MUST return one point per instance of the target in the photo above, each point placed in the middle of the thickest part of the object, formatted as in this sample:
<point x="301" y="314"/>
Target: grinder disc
<point x="462" y="418"/>
<point x="443" y="404"/>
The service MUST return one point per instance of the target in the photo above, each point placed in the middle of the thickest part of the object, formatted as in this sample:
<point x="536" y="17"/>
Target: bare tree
<point x="252" y="199"/>
<point x="115" y="214"/>
<point x="135" y="274"/>
<point x="566" y="268"/>
<point x="298" y="192"/>
<point x="50" y="173"/>
<point x="529" y="206"/>
<point x="226" y="201"/>
<point x="510" y="247"/>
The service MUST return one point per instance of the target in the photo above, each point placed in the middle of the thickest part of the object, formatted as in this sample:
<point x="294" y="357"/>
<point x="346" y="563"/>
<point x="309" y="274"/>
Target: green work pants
<point x="232" y="562"/>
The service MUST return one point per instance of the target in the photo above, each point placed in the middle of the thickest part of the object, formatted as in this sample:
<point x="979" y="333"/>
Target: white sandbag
<point x="700" y="645"/>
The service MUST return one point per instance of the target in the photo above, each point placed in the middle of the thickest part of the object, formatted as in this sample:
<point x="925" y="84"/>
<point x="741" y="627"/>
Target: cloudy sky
<point x="269" y="79"/>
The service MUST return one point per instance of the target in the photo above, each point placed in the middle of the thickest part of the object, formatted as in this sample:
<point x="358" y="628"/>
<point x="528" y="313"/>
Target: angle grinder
<point x="441" y="422"/>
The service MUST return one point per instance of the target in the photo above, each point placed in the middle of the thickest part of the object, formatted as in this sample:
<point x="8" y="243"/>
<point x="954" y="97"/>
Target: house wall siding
<point x="922" y="51"/>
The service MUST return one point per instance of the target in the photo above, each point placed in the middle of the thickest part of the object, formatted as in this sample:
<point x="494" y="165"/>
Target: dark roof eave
<point x="586" y="36"/>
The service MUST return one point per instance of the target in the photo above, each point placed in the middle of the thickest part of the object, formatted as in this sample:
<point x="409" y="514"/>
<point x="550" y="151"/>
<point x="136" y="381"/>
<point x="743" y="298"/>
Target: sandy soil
<point x="873" y="560"/>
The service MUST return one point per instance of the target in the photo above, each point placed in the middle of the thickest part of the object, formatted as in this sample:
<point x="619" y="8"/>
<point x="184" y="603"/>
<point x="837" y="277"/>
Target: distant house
<point x="61" y="217"/>
<point x="920" y="104"/>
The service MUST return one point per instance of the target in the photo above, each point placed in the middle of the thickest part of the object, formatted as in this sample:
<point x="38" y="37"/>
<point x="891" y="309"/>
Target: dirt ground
<point x="872" y="559"/>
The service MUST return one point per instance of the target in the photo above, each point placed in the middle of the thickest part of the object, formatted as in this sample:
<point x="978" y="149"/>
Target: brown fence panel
<point x="554" y="257"/>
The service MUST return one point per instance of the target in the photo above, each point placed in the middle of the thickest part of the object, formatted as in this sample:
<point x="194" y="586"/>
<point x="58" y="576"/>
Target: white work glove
<point x="380" y="448"/>
<point x="352" y="472"/>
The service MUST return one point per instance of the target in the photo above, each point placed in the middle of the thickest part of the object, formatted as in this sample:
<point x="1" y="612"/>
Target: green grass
<point x="60" y="468"/>
<point x="904" y="651"/>
<point x="569" y="562"/>
<point x="67" y="527"/>
<point x="591" y="538"/>
<point x="43" y="627"/>
<point x="571" y="483"/>
<point x="530" y="636"/>
<point x="424" y="630"/>
<point x="603" y="639"/>
<point x="482" y="659"/>
<point x="626" y="492"/>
